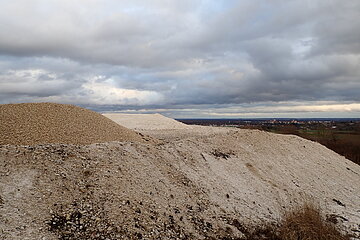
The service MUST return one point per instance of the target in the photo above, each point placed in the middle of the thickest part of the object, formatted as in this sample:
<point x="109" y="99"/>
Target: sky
<point x="184" y="58"/>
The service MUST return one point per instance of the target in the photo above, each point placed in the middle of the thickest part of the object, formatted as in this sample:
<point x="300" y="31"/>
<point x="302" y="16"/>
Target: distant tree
<point x="288" y="129"/>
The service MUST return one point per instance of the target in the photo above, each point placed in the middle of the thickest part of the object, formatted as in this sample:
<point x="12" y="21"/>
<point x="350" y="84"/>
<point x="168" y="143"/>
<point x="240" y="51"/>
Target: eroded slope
<point x="203" y="185"/>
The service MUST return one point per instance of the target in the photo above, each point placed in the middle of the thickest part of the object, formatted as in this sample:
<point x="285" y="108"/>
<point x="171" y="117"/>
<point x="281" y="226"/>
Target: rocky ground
<point x="202" y="183"/>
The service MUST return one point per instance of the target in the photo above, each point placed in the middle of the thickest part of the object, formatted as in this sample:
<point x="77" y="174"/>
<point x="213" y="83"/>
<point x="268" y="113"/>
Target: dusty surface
<point x="38" y="123"/>
<point x="203" y="183"/>
<point x="146" y="121"/>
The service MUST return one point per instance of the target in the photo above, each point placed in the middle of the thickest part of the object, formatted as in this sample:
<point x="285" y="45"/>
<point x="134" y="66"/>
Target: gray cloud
<point x="179" y="53"/>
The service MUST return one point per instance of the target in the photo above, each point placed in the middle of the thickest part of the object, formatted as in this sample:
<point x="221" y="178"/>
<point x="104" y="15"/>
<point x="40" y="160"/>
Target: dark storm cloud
<point x="179" y="53"/>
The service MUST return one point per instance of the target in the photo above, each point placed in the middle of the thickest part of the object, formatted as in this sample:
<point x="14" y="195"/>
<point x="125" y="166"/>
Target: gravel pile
<point x="214" y="185"/>
<point x="39" y="123"/>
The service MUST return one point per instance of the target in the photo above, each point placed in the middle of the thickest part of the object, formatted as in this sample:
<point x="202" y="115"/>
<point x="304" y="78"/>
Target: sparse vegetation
<point x="306" y="222"/>
<point x="302" y="223"/>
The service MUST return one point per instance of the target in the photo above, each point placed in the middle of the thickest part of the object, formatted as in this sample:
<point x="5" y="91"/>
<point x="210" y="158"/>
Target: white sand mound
<point x="146" y="121"/>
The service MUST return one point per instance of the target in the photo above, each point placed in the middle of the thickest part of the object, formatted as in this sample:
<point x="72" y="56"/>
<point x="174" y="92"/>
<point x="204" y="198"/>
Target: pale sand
<point x="146" y="121"/>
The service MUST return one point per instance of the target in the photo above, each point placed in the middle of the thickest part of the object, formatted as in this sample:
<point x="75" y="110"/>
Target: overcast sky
<point x="184" y="58"/>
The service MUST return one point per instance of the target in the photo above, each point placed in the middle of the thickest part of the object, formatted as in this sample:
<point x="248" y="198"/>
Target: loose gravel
<point x="198" y="183"/>
<point x="39" y="123"/>
<point x="211" y="185"/>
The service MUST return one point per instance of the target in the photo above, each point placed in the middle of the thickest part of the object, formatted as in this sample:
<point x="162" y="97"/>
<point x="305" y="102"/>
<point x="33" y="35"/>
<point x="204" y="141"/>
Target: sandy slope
<point x="146" y="121"/>
<point x="193" y="184"/>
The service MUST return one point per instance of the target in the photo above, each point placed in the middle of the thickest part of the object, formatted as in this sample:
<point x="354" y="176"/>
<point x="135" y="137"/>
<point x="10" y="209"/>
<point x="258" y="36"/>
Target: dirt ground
<point x="198" y="183"/>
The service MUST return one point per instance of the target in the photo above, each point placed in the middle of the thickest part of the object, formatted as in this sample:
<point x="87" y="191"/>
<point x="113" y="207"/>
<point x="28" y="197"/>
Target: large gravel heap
<point x="39" y="123"/>
<point x="198" y="183"/>
<point x="207" y="186"/>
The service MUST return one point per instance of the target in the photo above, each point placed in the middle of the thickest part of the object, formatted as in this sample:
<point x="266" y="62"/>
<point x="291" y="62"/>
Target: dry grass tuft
<point x="307" y="223"/>
<point x="302" y="223"/>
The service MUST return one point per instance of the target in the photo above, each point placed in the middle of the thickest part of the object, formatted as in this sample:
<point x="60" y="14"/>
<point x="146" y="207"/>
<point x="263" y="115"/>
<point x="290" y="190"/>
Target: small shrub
<point x="307" y="223"/>
<point x="302" y="223"/>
